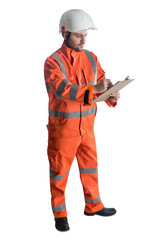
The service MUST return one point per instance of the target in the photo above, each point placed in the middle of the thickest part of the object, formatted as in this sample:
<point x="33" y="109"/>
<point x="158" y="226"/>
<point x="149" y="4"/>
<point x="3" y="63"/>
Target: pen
<point x="127" y="78"/>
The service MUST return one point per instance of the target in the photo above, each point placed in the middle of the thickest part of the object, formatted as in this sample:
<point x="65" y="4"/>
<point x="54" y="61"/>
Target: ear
<point x="65" y="35"/>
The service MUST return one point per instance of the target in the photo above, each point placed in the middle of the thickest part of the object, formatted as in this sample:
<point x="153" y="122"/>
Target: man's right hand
<point x="102" y="86"/>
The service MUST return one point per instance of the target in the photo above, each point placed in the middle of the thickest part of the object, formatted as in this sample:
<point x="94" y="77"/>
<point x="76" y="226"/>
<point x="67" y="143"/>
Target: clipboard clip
<point x="127" y="78"/>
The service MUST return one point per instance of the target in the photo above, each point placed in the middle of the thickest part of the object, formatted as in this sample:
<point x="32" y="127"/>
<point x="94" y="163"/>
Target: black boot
<point x="61" y="224"/>
<point x="104" y="212"/>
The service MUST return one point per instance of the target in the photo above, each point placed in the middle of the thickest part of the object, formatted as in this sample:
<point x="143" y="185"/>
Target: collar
<point x="70" y="53"/>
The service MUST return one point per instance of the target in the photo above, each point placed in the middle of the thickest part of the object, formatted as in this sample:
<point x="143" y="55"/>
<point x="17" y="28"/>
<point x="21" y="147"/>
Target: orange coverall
<point x="70" y="77"/>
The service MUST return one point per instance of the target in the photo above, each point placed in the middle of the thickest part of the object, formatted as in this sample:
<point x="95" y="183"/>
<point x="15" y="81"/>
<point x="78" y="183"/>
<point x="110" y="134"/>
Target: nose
<point x="83" y="39"/>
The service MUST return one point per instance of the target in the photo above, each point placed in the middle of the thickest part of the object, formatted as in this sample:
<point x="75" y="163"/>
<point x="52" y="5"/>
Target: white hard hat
<point x="75" y="20"/>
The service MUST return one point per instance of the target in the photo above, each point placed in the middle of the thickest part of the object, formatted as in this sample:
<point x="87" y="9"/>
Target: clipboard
<point x="115" y="88"/>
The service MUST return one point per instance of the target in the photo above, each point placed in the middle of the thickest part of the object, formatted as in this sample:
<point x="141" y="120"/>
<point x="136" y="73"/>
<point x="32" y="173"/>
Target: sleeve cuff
<point x="88" y="96"/>
<point x="111" y="104"/>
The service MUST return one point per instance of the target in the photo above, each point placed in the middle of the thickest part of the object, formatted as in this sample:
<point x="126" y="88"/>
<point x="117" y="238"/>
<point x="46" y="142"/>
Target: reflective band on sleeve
<point x="57" y="177"/>
<point x="59" y="208"/>
<point x="93" y="200"/>
<point x="62" y="67"/>
<point x="73" y="92"/>
<point x="68" y="115"/>
<point x="94" y="67"/>
<point x="88" y="170"/>
<point x="61" y="87"/>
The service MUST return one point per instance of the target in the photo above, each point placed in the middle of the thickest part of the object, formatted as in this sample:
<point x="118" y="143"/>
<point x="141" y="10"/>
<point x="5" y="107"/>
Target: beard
<point x="72" y="46"/>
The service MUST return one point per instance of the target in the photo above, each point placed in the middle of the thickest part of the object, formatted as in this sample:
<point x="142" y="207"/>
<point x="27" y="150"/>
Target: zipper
<point x="80" y="119"/>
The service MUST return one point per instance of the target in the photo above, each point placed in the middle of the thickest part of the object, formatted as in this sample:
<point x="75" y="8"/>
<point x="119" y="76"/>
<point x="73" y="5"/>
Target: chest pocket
<point x="80" y="76"/>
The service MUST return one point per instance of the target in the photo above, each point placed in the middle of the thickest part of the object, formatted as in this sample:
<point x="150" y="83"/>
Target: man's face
<point x="76" y="40"/>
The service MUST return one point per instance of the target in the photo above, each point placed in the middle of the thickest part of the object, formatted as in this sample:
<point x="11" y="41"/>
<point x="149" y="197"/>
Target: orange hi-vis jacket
<point x="70" y="77"/>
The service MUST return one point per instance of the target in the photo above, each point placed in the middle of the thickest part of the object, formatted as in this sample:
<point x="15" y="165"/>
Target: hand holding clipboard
<point x="115" y="88"/>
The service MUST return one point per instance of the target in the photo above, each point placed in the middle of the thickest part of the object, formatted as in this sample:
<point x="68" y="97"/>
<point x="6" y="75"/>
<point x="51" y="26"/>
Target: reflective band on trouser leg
<point x="87" y="161"/>
<point x="59" y="208"/>
<point x="57" y="177"/>
<point x="93" y="200"/>
<point x="88" y="170"/>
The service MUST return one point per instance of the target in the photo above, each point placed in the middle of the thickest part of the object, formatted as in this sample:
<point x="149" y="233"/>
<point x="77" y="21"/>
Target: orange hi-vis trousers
<point x="61" y="152"/>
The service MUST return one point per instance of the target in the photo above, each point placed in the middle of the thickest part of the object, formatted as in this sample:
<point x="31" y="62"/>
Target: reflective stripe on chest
<point x="91" y="60"/>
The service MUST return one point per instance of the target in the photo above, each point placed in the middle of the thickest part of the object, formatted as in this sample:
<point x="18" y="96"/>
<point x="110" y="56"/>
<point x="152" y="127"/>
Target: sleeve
<point x="65" y="90"/>
<point x="100" y="76"/>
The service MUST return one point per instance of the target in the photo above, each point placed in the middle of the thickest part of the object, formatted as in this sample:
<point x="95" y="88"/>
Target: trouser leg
<point x="61" y="153"/>
<point x="87" y="161"/>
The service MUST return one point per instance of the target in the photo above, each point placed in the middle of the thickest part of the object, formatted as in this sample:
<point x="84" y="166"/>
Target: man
<point x="73" y="78"/>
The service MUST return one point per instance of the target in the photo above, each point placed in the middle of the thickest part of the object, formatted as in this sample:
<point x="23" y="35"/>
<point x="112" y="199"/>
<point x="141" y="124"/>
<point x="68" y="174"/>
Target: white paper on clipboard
<point x="115" y="88"/>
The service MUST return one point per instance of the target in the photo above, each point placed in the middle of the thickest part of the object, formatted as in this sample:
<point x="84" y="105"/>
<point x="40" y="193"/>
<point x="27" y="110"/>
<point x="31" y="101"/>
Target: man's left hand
<point x="114" y="97"/>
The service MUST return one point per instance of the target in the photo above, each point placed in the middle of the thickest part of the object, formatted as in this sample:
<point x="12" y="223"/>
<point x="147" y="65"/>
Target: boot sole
<point x="89" y="214"/>
<point x="98" y="214"/>
<point x="62" y="229"/>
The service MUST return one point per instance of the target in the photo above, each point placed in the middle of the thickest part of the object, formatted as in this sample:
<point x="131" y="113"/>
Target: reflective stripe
<point x="57" y="177"/>
<point x="68" y="115"/>
<point x="89" y="83"/>
<point x="62" y="67"/>
<point x="59" y="208"/>
<point x="65" y="81"/>
<point x="74" y="87"/>
<point x="88" y="170"/>
<point x="92" y="82"/>
<point x="93" y="200"/>
<point x="90" y="58"/>
<point x="47" y="85"/>
<point x="94" y="66"/>
<point x="61" y="87"/>
<point x="73" y="92"/>
<point x="88" y="112"/>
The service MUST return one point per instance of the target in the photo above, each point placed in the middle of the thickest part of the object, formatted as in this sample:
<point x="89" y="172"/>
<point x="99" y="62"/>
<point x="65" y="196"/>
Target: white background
<point x="126" y="43"/>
